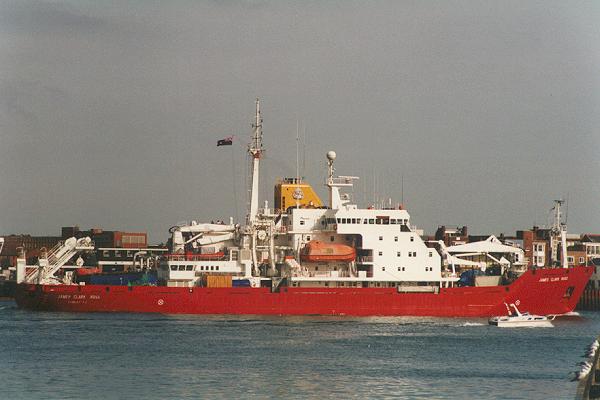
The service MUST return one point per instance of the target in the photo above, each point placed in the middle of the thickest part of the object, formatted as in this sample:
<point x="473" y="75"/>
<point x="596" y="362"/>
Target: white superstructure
<point x="336" y="245"/>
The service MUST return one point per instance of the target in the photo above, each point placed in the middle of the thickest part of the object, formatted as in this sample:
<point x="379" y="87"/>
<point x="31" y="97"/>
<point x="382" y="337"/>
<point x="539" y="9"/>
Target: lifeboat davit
<point x="315" y="251"/>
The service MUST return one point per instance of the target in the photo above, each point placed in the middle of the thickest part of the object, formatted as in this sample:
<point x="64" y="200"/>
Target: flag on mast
<point x="228" y="141"/>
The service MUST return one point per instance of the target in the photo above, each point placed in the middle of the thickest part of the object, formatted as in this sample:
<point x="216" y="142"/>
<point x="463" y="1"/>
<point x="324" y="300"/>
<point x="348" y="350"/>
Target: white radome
<point x="331" y="155"/>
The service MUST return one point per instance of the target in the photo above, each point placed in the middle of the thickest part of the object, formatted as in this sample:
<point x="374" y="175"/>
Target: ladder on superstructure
<point x="57" y="257"/>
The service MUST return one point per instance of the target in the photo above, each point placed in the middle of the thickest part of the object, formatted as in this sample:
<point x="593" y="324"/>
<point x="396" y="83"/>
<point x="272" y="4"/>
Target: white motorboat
<point x="516" y="318"/>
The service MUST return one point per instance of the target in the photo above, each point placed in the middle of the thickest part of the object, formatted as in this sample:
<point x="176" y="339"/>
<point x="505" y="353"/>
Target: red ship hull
<point x="544" y="291"/>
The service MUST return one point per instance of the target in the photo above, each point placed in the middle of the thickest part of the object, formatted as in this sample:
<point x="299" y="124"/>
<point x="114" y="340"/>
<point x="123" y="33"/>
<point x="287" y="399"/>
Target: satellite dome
<point x="331" y="155"/>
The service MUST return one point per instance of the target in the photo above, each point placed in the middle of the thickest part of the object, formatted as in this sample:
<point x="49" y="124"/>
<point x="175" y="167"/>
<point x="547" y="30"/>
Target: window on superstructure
<point x="301" y="222"/>
<point x="393" y="221"/>
<point x="378" y="221"/>
<point x="430" y="254"/>
<point x="217" y="268"/>
<point x="117" y="253"/>
<point x="308" y="238"/>
<point x="412" y="238"/>
<point x="331" y="238"/>
<point x="399" y="269"/>
<point x="181" y="268"/>
<point x="381" y="253"/>
<point x="395" y="238"/>
<point x="398" y="254"/>
<point x="339" y="220"/>
<point x="365" y="221"/>
<point x="383" y="268"/>
<point x="371" y="221"/>
<point x="189" y="267"/>
<point x="105" y="253"/>
<point x="380" y="237"/>
<point x="173" y="267"/>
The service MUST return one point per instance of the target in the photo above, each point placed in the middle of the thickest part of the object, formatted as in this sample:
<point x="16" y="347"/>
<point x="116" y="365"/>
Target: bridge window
<point x="371" y="221"/>
<point x="189" y="267"/>
<point x="181" y="268"/>
<point x="173" y="267"/>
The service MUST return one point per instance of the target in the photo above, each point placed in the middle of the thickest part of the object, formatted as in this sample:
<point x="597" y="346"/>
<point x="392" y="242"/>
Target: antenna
<point x="297" y="163"/>
<point x="304" y="153"/>
<point x="402" y="189"/>
<point x="567" y="209"/>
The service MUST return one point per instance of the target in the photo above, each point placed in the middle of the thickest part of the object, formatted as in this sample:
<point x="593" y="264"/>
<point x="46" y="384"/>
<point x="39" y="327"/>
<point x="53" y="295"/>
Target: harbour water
<point x="117" y="356"/>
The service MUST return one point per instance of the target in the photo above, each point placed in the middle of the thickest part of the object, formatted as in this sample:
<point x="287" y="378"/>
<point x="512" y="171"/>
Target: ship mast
<point x="255" y="150"/>
<point x="558" y="233"/>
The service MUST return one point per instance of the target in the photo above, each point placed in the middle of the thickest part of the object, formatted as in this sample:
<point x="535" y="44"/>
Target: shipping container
<point x="131" y="278"/>
<point x="218" y="281"/>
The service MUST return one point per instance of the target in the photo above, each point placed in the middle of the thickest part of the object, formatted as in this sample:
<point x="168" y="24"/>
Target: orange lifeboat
<point x="315" y="251"/>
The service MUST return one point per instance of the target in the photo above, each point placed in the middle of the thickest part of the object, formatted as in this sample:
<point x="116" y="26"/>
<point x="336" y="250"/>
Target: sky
<point x="472" y="113"/>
